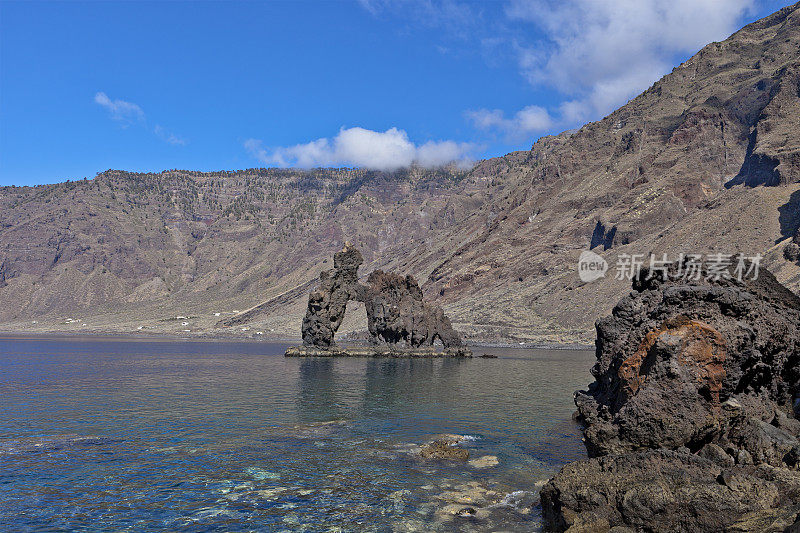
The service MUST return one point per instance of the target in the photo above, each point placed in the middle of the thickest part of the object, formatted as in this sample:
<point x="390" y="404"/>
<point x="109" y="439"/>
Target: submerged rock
<point x="443" y="449"/>
<point x="459" y="499"/>
<point x="487" y="461"/>
<point x="691" y="423"/>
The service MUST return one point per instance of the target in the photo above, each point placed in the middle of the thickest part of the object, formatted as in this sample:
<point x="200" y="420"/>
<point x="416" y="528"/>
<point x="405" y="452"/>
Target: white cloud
<point x="120" y="110"/>
<point x="372" y="6"/>
<point x="529" y="120"/>
<point x="256" y="149"/>
<point x="169" y="137"/>
<point x="456" y="19"/>
<point x="361" y="147"/>
<point x="603" y="52"/>
<point x="596" y="54"/>
<point x="128" y="113"/>
<point x="438" y="153"/>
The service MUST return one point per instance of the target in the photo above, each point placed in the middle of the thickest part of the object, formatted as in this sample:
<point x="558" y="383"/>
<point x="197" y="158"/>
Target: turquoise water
<point x="135" y="435"/>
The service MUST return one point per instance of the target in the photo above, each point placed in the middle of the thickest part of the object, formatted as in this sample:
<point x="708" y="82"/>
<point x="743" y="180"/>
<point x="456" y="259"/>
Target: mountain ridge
<point x="705" y="160"/>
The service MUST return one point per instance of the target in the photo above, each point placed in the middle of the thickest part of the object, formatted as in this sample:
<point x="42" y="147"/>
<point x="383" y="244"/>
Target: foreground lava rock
<point x="691" y="424"/>
<point x="397" y="315"/>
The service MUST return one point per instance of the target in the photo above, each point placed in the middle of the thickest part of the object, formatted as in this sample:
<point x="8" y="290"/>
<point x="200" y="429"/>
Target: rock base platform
<point x="378" y="351"/>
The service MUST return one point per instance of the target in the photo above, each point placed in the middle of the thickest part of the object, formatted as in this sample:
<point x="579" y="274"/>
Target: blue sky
<point x="147" y="86"/>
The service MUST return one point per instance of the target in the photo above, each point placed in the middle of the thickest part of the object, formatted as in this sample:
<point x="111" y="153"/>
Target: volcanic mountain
<point x="705" y="161"/>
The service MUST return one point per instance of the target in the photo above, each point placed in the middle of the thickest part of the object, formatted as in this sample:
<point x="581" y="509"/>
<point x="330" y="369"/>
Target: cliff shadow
<point x="756" y="169"/>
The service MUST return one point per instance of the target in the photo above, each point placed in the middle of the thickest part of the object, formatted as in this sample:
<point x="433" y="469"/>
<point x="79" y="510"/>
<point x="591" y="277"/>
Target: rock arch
<point x="396" y="311"/>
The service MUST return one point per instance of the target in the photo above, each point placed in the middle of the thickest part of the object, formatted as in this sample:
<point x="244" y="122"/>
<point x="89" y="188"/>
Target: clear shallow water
<point x="134" y="435"/>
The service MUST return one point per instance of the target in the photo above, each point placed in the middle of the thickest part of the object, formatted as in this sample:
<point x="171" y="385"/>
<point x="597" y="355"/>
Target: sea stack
<point x="328" y="302"/>
<point x="399" y="321"/>
<point x="692" y="421"/>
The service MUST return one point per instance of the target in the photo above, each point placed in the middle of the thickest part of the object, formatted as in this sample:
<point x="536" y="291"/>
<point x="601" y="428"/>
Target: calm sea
<point x="143" y="435"/>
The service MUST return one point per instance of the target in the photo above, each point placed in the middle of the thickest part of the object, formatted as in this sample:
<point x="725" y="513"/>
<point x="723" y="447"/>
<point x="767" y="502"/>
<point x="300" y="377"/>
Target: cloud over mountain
<point x="600" y="53"/>
<point x="531" y="119"/>
<point x="597" y="54"/>
<point x="361" y="147"/>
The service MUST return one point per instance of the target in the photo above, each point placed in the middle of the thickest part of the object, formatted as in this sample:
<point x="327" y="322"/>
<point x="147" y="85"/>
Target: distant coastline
<point x="221" y="337"/>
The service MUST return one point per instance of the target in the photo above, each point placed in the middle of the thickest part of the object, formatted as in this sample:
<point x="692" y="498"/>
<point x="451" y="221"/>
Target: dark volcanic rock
<point x="671" y="355"/>
<point x="662" y="490"/>
<point x="692" y="420"/>
<point x="396" y="312"/>
<point x="327" y="303"/>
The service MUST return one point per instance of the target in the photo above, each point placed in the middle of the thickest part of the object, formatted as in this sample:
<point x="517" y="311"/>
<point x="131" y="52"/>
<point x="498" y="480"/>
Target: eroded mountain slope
<point x="706" y="160"/>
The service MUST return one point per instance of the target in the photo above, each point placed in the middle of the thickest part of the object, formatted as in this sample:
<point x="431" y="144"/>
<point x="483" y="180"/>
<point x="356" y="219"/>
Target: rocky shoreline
<point x="692" y="421"/>
<point x="377" y="351"/>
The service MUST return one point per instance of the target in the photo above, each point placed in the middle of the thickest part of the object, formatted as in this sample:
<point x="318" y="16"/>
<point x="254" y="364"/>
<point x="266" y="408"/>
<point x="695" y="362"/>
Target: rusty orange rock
<point x="702" y="349"/>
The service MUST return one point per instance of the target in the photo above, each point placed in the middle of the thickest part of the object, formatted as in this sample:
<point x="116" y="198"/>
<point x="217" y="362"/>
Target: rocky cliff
<point x="706" y="160"/>
<point x="692" y="421"/>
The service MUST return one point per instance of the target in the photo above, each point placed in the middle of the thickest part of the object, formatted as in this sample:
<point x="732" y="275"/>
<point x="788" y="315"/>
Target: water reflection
<point x="392" y="385"/>
<point x="235" y="437"/>
<point x="319" y="396"/>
